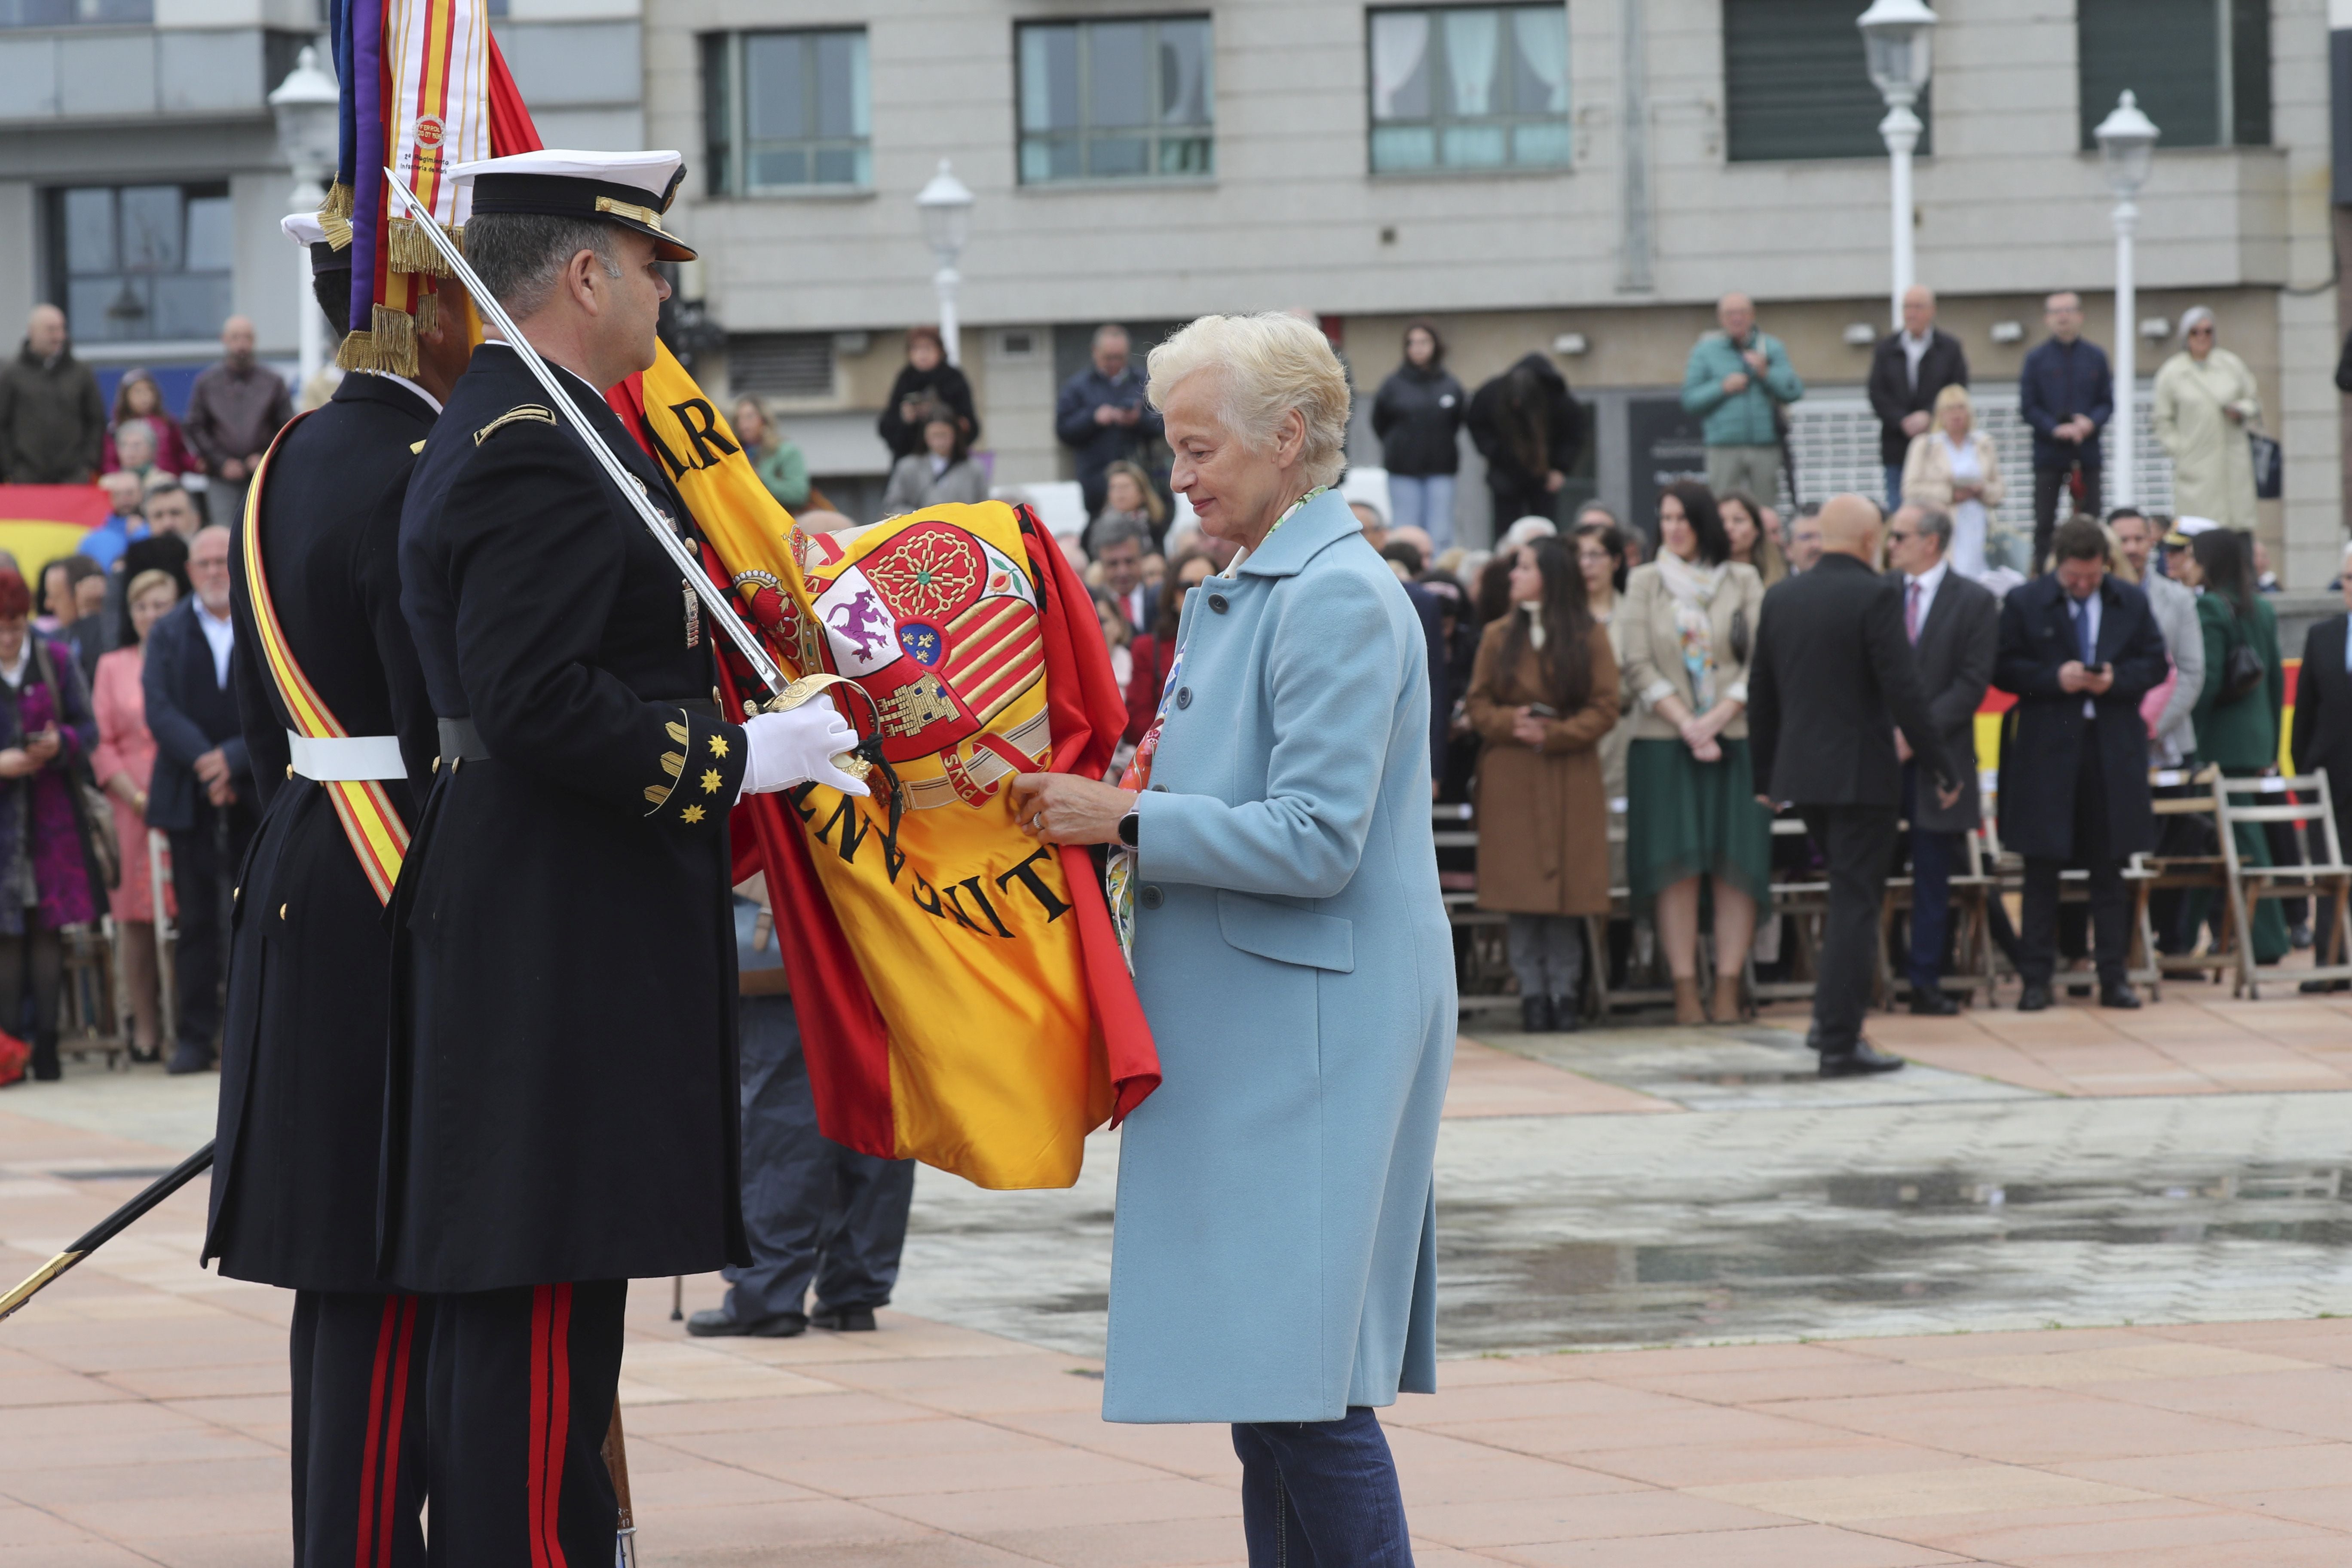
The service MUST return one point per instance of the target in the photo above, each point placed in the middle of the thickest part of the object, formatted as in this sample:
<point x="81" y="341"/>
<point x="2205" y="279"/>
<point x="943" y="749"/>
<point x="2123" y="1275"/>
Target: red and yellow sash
<point x="377" y="835"/>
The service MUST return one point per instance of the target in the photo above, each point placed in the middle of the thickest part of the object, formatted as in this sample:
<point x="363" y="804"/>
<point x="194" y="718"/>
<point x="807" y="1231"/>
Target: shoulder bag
<point x="2269" y="465"/>
<point x="2242" y="667"/>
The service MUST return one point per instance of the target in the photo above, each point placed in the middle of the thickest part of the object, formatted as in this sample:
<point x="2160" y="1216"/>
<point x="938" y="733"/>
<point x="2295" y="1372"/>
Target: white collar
<point x="1922" y="339"/>
<point x="430" y="401"/>
<point x="1930" y="579"/>
<point x="14" y="671"/>
<point x="205" y="612"/>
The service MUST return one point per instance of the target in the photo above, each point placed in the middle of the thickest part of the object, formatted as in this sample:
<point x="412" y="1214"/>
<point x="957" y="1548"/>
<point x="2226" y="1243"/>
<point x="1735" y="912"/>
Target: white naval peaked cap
<point x="2193" y="526"/>
<point x="303" y="228"/>
<point x="630" y="189"/>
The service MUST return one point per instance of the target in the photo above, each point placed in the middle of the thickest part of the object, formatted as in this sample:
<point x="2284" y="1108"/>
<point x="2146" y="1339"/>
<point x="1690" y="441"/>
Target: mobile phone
<point x="2094" y="670"/>
<point x="1543" y="710"/>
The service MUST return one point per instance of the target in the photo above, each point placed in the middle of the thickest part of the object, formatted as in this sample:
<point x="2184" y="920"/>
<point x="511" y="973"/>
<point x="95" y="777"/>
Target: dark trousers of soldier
<point x="814" y="1210"/>
<point x="202" y="865"/>
<point x="359" y="1362"/>
<point x="518" y="1398"/>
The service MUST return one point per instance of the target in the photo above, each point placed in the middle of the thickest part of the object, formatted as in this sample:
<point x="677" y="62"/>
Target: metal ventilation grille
<point x="781" y="364"/>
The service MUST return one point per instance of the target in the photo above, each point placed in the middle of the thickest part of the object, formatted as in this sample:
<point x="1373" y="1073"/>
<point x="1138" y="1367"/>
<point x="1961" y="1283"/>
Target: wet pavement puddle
<point x="1725" y="1069"/>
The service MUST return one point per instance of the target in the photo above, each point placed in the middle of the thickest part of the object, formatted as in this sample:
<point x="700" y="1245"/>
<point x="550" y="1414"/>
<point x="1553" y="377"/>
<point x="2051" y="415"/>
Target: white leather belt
<point x="347" y="757"/>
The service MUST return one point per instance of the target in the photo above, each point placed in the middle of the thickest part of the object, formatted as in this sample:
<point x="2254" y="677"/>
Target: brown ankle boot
<point x="1686" y="1007"/>
<point x="1727" y="998"/>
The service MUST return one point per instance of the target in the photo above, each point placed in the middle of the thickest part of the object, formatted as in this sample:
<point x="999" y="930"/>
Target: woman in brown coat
<point x="1543" y="696"/>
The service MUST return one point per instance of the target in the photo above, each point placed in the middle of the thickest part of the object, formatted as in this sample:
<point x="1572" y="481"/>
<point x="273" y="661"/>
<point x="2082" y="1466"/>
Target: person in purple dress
<point x="46" y="882"/>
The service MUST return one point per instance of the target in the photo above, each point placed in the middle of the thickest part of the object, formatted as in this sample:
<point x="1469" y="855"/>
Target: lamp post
<point x="946" y="207"/>
<point x="1898" y="43"/>
<point x="308" y="133"/>
<point x="2126" y="147"/>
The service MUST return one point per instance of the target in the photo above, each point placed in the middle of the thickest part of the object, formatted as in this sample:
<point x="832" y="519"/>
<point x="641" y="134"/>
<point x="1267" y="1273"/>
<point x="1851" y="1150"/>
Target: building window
<point x="1472" y="87"/>
<point x="2199" y="68"/>
<point x="1795" y="85"/>
<point x="76" y="13"/>
<point x="786" y="111"/>
<point x="781" y="365"/>
<point x="142" y="263"/>
<point x="1123" y="100"/>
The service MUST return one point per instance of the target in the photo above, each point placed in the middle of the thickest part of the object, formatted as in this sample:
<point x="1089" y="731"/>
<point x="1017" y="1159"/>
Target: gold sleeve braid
<point x="700" y="770"/>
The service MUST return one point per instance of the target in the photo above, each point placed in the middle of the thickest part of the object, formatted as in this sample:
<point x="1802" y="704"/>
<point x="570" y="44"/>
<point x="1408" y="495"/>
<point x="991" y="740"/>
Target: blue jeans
<point x="1321" y="1494"/>
<point x="1894" y="487"/>
<point x="1425" y="503"/>
<point x="812" y="1209"/>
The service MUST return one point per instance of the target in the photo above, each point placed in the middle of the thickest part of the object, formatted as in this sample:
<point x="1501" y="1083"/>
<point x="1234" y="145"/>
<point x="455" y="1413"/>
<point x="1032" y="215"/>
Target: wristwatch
<point x="1126" y="829"/>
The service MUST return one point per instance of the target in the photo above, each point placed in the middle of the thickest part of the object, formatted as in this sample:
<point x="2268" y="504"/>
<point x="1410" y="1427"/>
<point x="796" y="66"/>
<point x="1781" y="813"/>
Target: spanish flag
<point x="41" y="522"/>
<point x="961" y="995"/>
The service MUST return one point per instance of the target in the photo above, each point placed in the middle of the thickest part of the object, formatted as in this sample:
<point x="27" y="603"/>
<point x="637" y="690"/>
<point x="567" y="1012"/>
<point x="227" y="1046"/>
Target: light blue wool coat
<point x="1273" y="1254"/>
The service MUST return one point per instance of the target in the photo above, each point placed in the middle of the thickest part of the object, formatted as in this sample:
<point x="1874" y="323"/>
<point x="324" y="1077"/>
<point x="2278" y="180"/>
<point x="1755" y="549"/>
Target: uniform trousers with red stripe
<point x="359" y="1363"/>
<point x="519" y="1396"/>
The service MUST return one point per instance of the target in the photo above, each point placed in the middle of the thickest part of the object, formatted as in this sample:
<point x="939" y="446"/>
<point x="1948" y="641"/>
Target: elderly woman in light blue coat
<point x="1272" y="1262"/>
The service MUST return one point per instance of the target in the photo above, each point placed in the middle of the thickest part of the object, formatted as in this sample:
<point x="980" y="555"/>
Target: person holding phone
<point x="1543" y="696"/>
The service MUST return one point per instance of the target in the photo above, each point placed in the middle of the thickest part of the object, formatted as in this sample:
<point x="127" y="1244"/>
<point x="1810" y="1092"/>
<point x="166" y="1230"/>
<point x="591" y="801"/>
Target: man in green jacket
<point x="1738" y="380"/>
<point x="52" y="422"/>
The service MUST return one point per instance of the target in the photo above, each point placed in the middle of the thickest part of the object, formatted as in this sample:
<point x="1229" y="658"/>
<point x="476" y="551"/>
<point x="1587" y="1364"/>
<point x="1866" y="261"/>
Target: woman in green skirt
<point x="1686" y="628"/>
<point x="2240" y="729"/>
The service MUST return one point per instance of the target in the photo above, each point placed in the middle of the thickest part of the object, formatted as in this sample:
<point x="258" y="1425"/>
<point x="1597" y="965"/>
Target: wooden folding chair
<point x="2188" y="873"/>
<point x="1972" y="891"/>
<point x="2281" y="800"/>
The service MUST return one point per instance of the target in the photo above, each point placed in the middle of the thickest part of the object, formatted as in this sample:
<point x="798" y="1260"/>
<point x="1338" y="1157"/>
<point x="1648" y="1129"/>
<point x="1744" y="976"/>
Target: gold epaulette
<point x="513" y="415"/>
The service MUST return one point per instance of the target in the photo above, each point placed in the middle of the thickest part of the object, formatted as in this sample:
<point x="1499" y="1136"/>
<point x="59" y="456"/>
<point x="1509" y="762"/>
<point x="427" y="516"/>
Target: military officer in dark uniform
<point x="302" y="1057"/>
<point x="562" y="1113"/>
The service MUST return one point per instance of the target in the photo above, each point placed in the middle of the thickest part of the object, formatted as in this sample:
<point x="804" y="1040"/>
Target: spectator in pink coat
<point x="124" y="759"/>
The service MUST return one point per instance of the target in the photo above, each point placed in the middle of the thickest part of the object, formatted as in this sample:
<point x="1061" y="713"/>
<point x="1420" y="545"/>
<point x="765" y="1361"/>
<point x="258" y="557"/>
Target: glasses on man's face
<point x="1898" y="536"/>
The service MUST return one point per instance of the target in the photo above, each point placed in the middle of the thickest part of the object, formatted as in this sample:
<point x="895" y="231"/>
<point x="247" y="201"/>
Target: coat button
<point x="1183" y="696"/>
<point x="1148" y="896"/>
<point x="1217" y="603"/>
<point x="1161" y="788"/>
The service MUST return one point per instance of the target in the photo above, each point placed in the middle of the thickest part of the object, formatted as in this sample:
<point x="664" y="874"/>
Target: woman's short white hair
<point x="1268" y="364"/>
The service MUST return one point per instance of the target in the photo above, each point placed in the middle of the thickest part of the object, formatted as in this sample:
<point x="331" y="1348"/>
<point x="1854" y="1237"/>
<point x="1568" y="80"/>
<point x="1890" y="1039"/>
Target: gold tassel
<point x="335" y="216"/>
<point x="413" y="252"/>
<point x="389" y="344"/>
<point x="429" y="312"/>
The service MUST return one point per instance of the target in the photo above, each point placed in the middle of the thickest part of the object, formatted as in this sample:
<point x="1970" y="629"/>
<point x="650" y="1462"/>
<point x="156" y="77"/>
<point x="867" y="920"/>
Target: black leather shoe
<point x="1567" y="1017"/>
<point x="1932" y="1003"/>
<point x="2119" y="995"/>
<point x="188" y="1056"/>
<point x="1535" y="1014"/>
<point x="2316" y="987"/>
<point x="1862" y="1060"/>
<point x="2034" y="999"/>
<point x="845" y="1319"/>
<point x="714" y="1322"/>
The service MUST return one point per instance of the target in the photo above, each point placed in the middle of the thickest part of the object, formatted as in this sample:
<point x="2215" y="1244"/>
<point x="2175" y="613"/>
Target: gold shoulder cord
<point x="526" y="412"/>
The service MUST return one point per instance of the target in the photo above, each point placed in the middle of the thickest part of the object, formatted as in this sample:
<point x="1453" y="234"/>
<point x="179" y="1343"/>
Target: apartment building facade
<point x="1582" y="180"/>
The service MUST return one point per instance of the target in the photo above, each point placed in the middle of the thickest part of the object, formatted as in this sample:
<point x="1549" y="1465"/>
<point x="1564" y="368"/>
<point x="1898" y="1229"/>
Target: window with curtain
<point x="1468" y="88"/>
<point x="142" y="263"/>
<point x="1126" y="99"/>
<point x="2199" y="68"/>
<point x="1795" y="84"/>
<point x="786" y="111"/>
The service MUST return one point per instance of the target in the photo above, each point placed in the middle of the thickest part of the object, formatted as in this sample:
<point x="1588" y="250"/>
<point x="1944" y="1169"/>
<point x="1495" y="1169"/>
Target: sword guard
<point x="799" y="692"/>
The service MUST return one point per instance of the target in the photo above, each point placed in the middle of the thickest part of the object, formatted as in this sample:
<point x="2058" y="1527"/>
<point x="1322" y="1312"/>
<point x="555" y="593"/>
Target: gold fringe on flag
<point x="412" y="252"/>
<point x="428" y="311"/>
<point x="335" y="216"/>
<point x="389" y="344"/>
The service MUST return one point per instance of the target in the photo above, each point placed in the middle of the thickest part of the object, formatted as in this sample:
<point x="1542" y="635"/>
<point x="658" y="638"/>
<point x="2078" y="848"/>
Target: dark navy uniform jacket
<point x="563" y="1083"/>
<point x="302" y="1056"/>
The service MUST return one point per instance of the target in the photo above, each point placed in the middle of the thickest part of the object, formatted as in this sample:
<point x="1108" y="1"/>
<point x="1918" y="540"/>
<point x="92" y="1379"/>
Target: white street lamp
<point x="309" y="135"/>
<point x="2127" y="148"/>
<point x="1898" y="43"/>
<point x="946" y="207"/>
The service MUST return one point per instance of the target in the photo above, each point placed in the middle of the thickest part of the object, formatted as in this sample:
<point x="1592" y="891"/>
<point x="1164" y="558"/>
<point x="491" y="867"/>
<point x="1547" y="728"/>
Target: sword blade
<point x="721" y="607"/>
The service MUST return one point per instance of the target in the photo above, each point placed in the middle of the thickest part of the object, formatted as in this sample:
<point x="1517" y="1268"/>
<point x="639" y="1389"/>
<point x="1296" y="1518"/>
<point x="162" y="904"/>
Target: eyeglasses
<point x="1898" y="536"/>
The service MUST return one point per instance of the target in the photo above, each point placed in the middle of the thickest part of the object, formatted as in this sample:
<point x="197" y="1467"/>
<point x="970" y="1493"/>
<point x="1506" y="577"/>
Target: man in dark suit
<point x="1832" y="680"/>
<point x="202" y="792"/>
<point x="1954" y="625"/>
<point x="2078" y="650"/>
<point x="316" y="586"/>
<point x="2321" y="741"/>
<point x="1907" y="370"/>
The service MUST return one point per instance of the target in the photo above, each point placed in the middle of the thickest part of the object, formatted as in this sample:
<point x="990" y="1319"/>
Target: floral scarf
<point x="1693" y="588"/>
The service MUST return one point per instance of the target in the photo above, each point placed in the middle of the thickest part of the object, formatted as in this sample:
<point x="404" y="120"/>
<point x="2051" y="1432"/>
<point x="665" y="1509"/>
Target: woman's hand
<point x="1063" y="809"/>
<point x="43" y="748"/>
<point x="1707" y="751"/>
<point x="16" y="762"/>
<point x="1966" y="493"/>
<point x="1528" y="728"/>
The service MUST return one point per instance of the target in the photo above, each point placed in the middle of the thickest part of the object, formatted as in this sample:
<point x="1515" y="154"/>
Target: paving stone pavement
<point x="1847" y="1285"/>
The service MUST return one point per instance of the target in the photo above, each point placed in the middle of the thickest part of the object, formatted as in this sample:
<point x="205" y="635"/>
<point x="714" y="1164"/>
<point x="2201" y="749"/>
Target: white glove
<point x="788" y="749"/>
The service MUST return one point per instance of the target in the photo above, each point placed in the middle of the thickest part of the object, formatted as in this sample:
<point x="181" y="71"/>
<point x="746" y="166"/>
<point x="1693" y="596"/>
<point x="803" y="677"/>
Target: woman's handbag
<point x="2242" y="669"/>
<point x="2269" y="465"/>
<point x="91" y="810"/>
